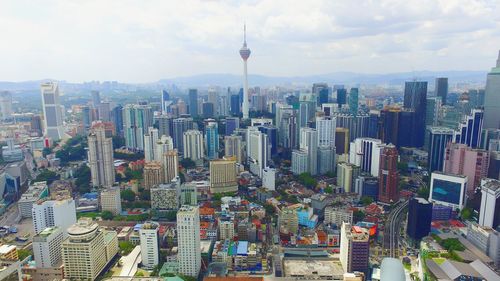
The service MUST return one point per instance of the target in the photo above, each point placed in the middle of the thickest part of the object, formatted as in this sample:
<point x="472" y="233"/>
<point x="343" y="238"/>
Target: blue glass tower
<point x="212" y="140"/>
<point x="272" y="136"/>
<point x="419" y="218"/>
<point x="341" y="97"/>
<point x="235" y="105"/>
<point x="415" y="99"/>
<point x="353" y="101"/>
<point x="232" y="123"/>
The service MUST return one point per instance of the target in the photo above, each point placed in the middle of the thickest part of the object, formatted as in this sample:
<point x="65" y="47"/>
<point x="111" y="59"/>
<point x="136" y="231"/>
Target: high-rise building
<point x="462" y="160"/>
<point x="309" y="143"/>
<point x="432" y="111"/>
<point x="288" y="129"/>
<point x="150" y="140"/>
<point x="208" y="110"/>
<point x="326" y="131"/>
<point x="193" y="102"/>
<point x="326" y="160"/>
<point x="346" y="174"/>
<point x="288" y="220"/>
<point x="357" y="125"/>
<point x="164" y="144"/>
<point x="52" y="111"/>
<point x="233" y="147"/>
<point x="322" y="91"/>
<point x="353" y="101"/>
<point x="100" y="157"/>
<point x="36" y="125"/>
<point x="50" y="213"/>
<point x="188" y="240"/>
<point x="476" y="98"/>
<point x="212" y="140"/>
<point x="35" y="192"/>
<point x="165" y="197"/>
<point x="365" y="153"/>
<point x="441" y="88"/>
<point x="165" y="125"/>
<point x="419" y="218"/>
<point x="492" y="98"/>
<point x="117" y="119"/>
<point x="165" y="101"/>
<point x="223" y="175"/>
<point x="415" y="99"/>
<point x="470" y="129"/>
<point x="235" y="105"/>
<point x="489" y="212"/>
<point x="257" y="150"/>
<point x="439" y="137"/>
<point x="150" y="244"/>
<point x="245" y="54"/>
<point x="307" y="109"/>
<point x="47" y="247"/>
<point x="87" y="250"/>
<point x="170" y="163"/>
<point x="189" y="194"/>
<point x="96" y="98"/>
<point x="388" y="175"/>
<point x="193" y="145"/>
<point x="232" y="123"/>
<point x="448" y="190"/>
<point x="341" y="97"/>
<point x="111" y="200"/>
<point x="137" y="118"/>
<point x="300" y="160"/>
<point x="104" y="111"/>
<point x="153" y="174"/>
<point x="269" y="178"/>
<point x="181" y="125"/>
<point x="342" y="140"/>
<point x="354" y="248"/>
<point x="272" y="137"/>
<point x="226" y="229"/>
<point x="5" y="105"/>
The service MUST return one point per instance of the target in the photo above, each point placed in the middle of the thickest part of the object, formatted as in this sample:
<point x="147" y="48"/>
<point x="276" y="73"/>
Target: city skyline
<point x="143" y="42"/>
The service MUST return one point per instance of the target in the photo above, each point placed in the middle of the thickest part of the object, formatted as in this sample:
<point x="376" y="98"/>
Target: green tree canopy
<point x="128" y="195"/>
<point x="187" y="163"/>
<point x="107" y="215"/>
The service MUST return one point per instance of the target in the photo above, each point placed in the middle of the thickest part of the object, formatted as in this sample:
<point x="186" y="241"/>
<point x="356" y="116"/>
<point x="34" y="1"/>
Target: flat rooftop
<point x="312" y="267"/>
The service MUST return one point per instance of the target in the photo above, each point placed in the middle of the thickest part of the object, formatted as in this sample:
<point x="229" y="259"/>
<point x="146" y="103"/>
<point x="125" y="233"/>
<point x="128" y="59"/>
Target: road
<point x="393" y="227"/>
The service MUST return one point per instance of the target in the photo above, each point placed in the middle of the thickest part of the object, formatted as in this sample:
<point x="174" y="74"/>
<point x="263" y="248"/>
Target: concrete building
<point x="188" y="240"/>
<point x="288" y="220"/>
<point x="100" y="157"/>
<point x="193" y="145"/>
<point x="47" y="247"/>
<point x="299" y="162"/>
<point x="354" y="248"/>
<point x="489" y="212"/>
<point x="257" y="150"/>
<point x="189" y="194"/>
<point x="164" y="144"/>
<point x="150" y="244"/>
<point x="226" y="229"/>
<point x="111" y="200"/>
<point x="419" y="218"/>
<point x="212" y="140"/>
<point x="309" y="143"/>
<point x="492" y="98"/>
<point x="150" y="141"/>
<point x="326" y="160"/>
<point x="337" y="216"/>
<point x="439" y="137"/>
<point x="51" y="213"/>
<point x="365" y="153"/>
<point x="52" y="111"/>
<point x="223" y="175"/>
<point x="35" y="192"/>
<point x="170" y="163"/>
<point x="346" y="175"/>
<point x="448" y="190"/>
<point x="388" y="175"/>
<point x="153" y="174"/>
<point x="269" y="178"/>
<point x="137" y="118"/>
<point x="181" y="125"/>
<point x="165" y="197"/>
<point x="233" y="147"/>
<point x="325" y="127"/>
<point x="5" y="105"/>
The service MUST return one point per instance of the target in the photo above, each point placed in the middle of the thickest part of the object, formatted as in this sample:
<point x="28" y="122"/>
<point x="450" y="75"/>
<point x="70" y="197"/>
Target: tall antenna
<point x="245" y="33"/>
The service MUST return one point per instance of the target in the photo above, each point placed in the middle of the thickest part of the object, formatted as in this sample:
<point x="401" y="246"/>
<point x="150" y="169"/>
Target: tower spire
<point x="498" y="60"/>
<point x="245" y="34"/>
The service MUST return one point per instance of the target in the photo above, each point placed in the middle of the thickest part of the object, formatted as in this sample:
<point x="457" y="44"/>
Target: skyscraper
<point x="489" y="213"/>
<point x="188" y="240"/>
<point x="419" y="218"/>
<point x="153" y="174"/>
<point x="470" y="129"/>
<point x="96" y="98"/>
<point x="432" y="111"/>
<point x="163" y="145"/>
<point x="326" y="131"/>
<point x="365" y="152"/>
<point x="354" y="248"/>
<point x="223" y="175"/>
<point x="492" y="98"/>
<point x="165" y="101"/>
<point x="5" y="105"/>
<point x="233" y="147"/>
<point x="150" y="244"/>
<point x="52" y="111"/>
<point x="193" y="145"/>
<point x="150" y="140"/>
<point x="415" y="99"/>
<point x="245" y="54"/>
<point x="441" y="88"/>
<point x="47" y="247"/>
<point x="235" y="105"/>
<point x="165" y="125"/>
<point x="232" y="123"/>
<point x="170" y="162"/>
<point x="388" y="175"/>
<point x="309" y="143"/>
<point x="100" y="157"/>
<point x="117" y="119"/>
<point x="193" y="102"/>
<point x="137" y="118"/>
<point x="208" y="110"/>
<point x="111" y="200"/>
<point x="212" y="140"/>
<point x="321" y="90"/>
<point x="341" y="97"/>
<point x="50" y="213"/>
<point x="439" y="137"/>
<point x="257" y="150"/>
<point x="353" y="101"/>
<point x="181" y="125"/>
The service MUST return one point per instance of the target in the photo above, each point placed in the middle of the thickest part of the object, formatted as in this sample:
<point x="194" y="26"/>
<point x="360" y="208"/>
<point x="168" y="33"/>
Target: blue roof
<point x="242" y="248"/>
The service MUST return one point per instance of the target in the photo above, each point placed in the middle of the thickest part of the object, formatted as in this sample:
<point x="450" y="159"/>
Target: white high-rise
<point x="5" y="105"/>
<point x="245" y="54"/>
<point x="309" y="144"/>
<point x="150" y="244"/>
<point x="150" y="140"/>
<point x="188" y="240"/>
<point x="52" y="111"/>
<point x="233" y="147"/>
<point x="170" y="163"/>
<point x="100" y="157"/>
<point x="193" y="145"/>
<point x="47" y="247"/>
<point x="257" y="150"/>
<point x="326" y="131"/>
<point x="111" y="200"/>
<point x="365" y="152"/>
<point x="50" y="213"/>
<point x="164" y="144"/>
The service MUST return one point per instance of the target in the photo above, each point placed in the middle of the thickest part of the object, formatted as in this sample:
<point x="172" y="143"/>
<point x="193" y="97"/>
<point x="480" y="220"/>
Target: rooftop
<point x="4" y="249"/>
<point x="311" y="267"/>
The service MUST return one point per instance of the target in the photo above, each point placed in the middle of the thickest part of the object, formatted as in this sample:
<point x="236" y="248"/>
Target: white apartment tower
<point x="193" y="145"/>
<point x="150" y="140"/>
<point x="150" y="244"/>
<point x="326" y="131"/>
<point x="100" y="157"/>
<point x="309" y="144"/>
<point x="188" y="240"/>
<point x="257" y="150"/>
<point x="47" y="247"/>
<point x="52" y="111"/>
<point x="111" y="200"/>
<point x="50" y="213"/>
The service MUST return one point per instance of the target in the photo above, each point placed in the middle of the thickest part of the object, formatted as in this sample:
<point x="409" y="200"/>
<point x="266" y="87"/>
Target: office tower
<point x="35" y="192"/>
<point x="476" y="98"/>
<point x="194" y="145"/>
<point x="357" y="125"/>
<point x="117" y="119"/>
<point x="346" y="174"/>
<point x="353" y="101"/>
<point x="36" y="125"/>
<point x="326" y="160"/>
<point x="212" y="140"/>
<point x="448" y="190"/>
<point x="47" y="247"/>
<point x="52" y="111"/>
<point x="170" y="162"/>
<point x="208" y="110"/>
<point x="439" y="137"/>
<point x="321" y="90"/>
<point x="165" y="197"/>
<point x="269" y="178"/>
<point x="96" y="98"/>
<point x="272" y="137"/>
<point x="86" y="117"/>
<point x="188" y="240"/>
<point x="213" y="98"/>
<point x="193" y="102"/>
<point x="257" y="150"/>
<point x="189" y="194"/>
<point x="388" y="175"/>
<point x="341" y="97"/>
<point x="300" y="161"/>
<point x="441" y="88"/>
<point x="223" y="175"/>
<point x="326" y="131"/>
<point x="494" y="165"/>
<point x="342" y="140"/>
<point x="163" y="145"/>
<point x="153" y="174"/>
<point x="288" y="220"/>
<point x="150" y="141"/>
<point x="307" y="109"/>
<point x="181" y="125"/>
<point x="232" y="123"/>
<point x="288" y="130"/>
<point x="470" y="129"/>
<point x="492" y="98"/>
<point x="419" y="218"/>
<point x="104" y="111"/>
<point x="374" y="124"/>
<point x="5" y="105"/>
<point x="100" y="157"/>
<point x="233" y="147"/>
<point x="489" y="212"/>
<point x="165" y="125"/>
<point x="245" y="54"/>
<point x="50" y="213"/>
<point x="463" y="160"/>
<point x="111" y="200"/>
<point x="87" y="250"/>
<point x="365" y="153"/>
<point x="415" y="99"/>
<point x="150" y="244"/>
<point x="354" y="248"/>
<point x="137" y="119"/>
<point x="165" y="101"/>
<point x="235" y="105"/>
<point x="309" y="143"/>
<point x="432" y="111"/>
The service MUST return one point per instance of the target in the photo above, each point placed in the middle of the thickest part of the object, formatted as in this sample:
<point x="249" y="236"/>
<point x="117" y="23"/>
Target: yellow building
<point x="8" y="252"/>
<point x="153" y="174"/>
<point x="223" y="175"/>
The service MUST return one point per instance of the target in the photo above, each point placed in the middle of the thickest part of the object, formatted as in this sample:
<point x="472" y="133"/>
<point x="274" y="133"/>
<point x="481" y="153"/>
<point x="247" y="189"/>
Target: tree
<point x="48" y="176"/>
<point x="118" y="142"/>
<point x="366" y="200"/>
<point x="145" y="195"/>
<point x="423" y="192"/>
<point x="128" y="195"/>
<point x="83" y="179"/>
<point x="328" y="190"/>
<point x="46" y="151"/>
<point x="402" y="167"/>
<point x="358" y="215"/>
<point x="307" y="180"/>
<point x="466" y="213"/>
<point x="188" y="163"/>
<point x="107" y="215"/>
<point x="23" y="253"/>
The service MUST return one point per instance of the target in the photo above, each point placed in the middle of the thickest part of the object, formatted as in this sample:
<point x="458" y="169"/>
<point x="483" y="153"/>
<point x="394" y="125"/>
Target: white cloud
<point x="148" y="40"/>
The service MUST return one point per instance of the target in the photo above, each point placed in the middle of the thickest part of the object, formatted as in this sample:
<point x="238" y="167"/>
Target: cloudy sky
<point x="146" y="40"/>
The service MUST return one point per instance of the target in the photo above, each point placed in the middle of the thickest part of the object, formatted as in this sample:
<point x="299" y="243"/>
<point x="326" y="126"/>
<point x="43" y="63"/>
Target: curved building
<point x="392" y="269"/>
